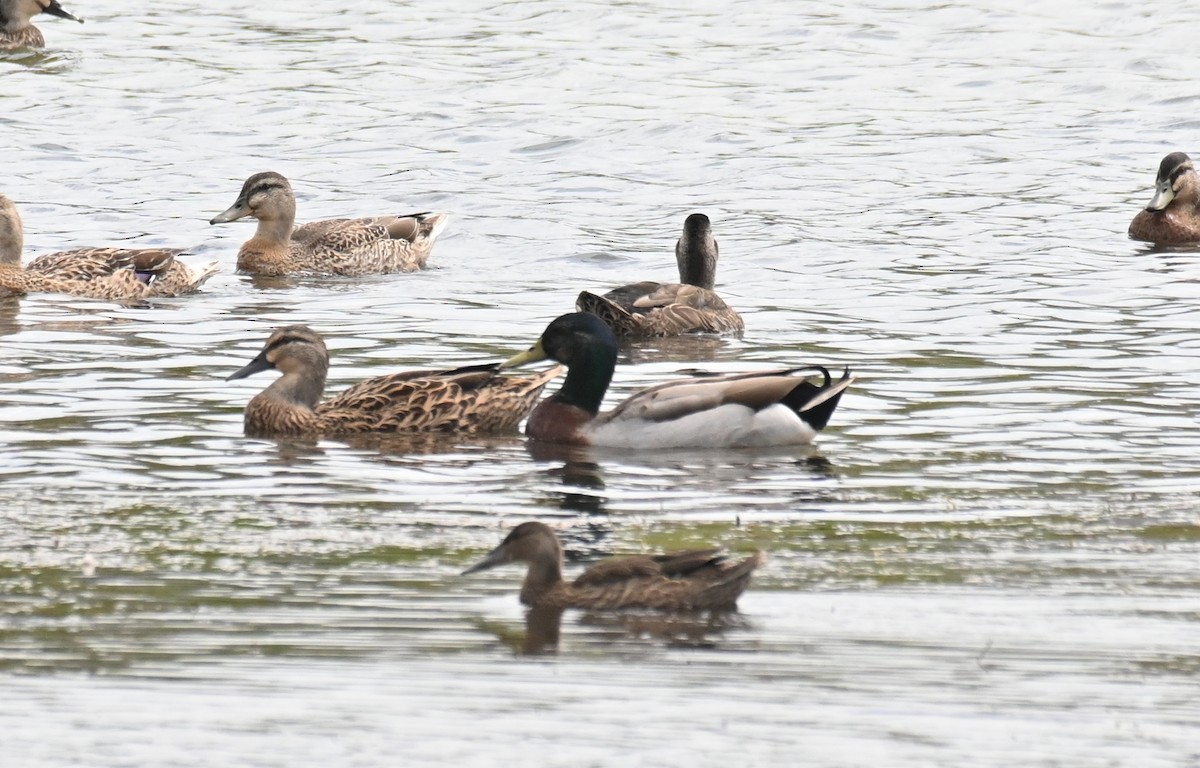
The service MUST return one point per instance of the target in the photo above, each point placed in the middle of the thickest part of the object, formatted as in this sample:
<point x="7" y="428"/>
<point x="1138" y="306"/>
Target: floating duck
<point x="1171" y="217"/>
<point x="349" y="247"/>
<point x="649" y="309"/>
<point x="469" y="400"/>
<point x="699" y="579"/>
<point x="762" y="408"/>
<point x="123" y="274"/>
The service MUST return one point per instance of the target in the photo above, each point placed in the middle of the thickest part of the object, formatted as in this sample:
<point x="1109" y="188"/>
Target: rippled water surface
<point x="991" y="558"/>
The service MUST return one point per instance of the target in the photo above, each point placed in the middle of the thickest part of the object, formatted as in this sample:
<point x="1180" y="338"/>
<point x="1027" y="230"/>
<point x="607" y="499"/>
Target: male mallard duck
<point x="699" y="579"/>
<point x="100" y="273"/>
<point x="763" y="408"/>
<point x="465" y="400"/>
<point x="15" y="29"/>
<point x="642" y="310"/>
<point x="350" y="247"/>
<point x="1171" y="217"/>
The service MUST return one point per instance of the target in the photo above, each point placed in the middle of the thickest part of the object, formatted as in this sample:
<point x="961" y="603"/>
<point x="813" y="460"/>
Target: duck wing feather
<point x="676" y="399"/>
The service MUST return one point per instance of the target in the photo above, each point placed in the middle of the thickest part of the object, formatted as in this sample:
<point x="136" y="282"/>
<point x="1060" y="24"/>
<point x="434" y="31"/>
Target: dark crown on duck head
<point x="1173" y="165"/>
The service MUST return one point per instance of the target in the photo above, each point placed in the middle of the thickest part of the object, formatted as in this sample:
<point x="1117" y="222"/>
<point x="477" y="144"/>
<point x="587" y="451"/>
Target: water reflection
<point x="272" y="283"/>
<point x="700" y="629"/>
<point x="1031" y="408"/>
<point x="542" y="629"/>
<point x="692" y="348"/>
<point x="10" y="308"/>
<point x="39" y="60"/>
<point x="539" y="636"/>
<point x="294" y="451"/>
<point x="578" y="472"/>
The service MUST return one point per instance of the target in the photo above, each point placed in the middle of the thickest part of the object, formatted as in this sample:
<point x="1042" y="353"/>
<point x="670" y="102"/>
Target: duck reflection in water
<point x="679" y="629"/>
<point x="581" y="476"/>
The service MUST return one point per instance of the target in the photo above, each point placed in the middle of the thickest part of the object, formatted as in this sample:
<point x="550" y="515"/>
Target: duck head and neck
<point x="586" y="345"/>
<point x="300" y="355"/>
<point x="696" y="252"/>
<point x="12" y="235"/>
<point x="267" y="197"/>
<point x="536" y="545"/>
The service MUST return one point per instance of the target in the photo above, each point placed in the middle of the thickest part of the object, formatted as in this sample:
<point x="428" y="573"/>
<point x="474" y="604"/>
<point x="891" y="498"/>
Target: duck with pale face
<point x="371" y="245"/>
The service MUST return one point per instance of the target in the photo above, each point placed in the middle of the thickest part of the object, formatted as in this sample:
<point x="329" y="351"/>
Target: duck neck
<point x="300" y="387"/>
<point x="696" y="255"/>
<point x="544" y="574"/>
<point x="11" y="22"/>
<point x="12" y="241"/>
<point x="588" y="376"/>
<point x="276" y="230"/>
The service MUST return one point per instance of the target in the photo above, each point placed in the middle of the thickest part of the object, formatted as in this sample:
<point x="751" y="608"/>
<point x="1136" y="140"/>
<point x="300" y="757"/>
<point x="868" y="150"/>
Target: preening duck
<point x="649" y="309"/>
<point x="700" y="579"/>
<point x="762" y="408"/>
<point x="350" y="247"/>
<point x="469" y="400"/>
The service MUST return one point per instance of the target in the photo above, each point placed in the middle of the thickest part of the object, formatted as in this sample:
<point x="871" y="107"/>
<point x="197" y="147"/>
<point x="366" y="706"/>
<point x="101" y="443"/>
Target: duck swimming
<point x="1172" y="216"/>
<point x="469" y="400"/>
<point x="700" y="579"/>
<point x="649" y="309"/>
<point x="763" y="408"/>
<point x="127" y="274"/>
<point x="15" y="29"/>
<point x="349" y="247"/>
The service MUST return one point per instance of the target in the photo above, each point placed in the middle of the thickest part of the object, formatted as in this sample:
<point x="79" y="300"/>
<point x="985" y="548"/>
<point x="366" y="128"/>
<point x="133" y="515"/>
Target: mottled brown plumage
<point x="649" y="309"/>
<point x="349" y="247"/>
<point x="123" y="274"/>
<point x="468" y="400"/>
<point x="700" y="579"/>
<point x="1172" y="217"/>
<point x="16" y="31"/>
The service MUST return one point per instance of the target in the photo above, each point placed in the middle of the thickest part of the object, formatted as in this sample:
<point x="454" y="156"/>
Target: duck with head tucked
<point x="16" y="31"/>
<point x="349" y="247"/>
<point x="695" y="580"/>
<point x="122" y="274"/>
<point x="1172" y="217"/>
<point x="649" y="309"/>
<point x="470" y="400"/>
<point x="758" y="409"/>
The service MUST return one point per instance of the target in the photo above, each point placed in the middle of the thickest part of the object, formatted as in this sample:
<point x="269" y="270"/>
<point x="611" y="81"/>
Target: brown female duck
<point x="350" y="247"/>
<point x="122" y="274"/>
<point x="1172" y="216"/>
<point x="757" y="409"/>
<point x="700" y="579"/>
<point x="648" y="309"/>
<point x="465" y="400"/>
<point x="15" y="29"/>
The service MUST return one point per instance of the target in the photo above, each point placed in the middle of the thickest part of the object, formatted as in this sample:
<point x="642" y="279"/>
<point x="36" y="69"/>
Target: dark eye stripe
<point x="264" y="187"/>
<point x="288" y="340"/>
<point x="1179" y="171"/>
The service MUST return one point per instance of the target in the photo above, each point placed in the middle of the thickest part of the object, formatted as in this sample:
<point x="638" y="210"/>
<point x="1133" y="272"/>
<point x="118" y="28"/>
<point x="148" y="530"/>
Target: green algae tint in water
<point x="990" y="557"/>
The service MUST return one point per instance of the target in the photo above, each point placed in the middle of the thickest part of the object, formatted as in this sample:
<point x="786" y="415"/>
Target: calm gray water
<point x="990" y="559"/>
